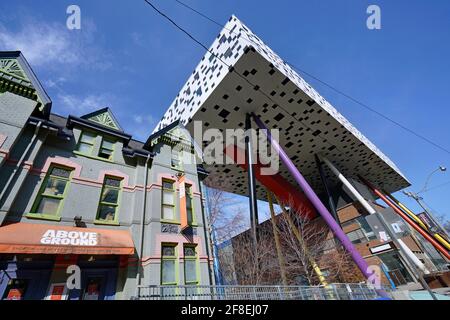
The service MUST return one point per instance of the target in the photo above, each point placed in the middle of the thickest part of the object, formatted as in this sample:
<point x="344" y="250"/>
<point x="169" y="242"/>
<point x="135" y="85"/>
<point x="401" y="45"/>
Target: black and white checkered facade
<point x="261" y="82"/>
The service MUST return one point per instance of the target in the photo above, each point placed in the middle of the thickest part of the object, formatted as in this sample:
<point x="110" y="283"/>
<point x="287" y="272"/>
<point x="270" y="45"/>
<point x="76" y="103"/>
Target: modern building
<point x="394" y="270"/>
<point x="78" y="191"/>
<point x="241" y="83"/>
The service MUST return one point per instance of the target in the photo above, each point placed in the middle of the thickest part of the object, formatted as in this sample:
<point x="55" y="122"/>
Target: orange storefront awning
<point x="33" y="238"/>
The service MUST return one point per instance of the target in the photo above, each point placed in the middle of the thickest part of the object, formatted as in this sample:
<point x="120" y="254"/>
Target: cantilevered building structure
<point x="266" y="85"/>
<point x="240" y="79"/>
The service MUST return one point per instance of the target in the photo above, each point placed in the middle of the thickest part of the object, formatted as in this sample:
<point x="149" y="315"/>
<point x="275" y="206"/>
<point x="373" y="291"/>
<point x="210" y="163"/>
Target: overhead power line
<point x="435" y="187"/>
<point x="338" y="91"/>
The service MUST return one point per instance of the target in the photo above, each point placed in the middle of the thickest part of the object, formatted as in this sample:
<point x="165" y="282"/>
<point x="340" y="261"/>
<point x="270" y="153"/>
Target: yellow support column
<point x="314" y="265"/>
<point x="277" y="240"/>
<point x="437" y="236"/>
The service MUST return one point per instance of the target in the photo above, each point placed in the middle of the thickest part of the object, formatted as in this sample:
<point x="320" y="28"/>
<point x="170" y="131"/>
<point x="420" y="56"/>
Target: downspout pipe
<point x="323" y="211"/>
<point x="141" y="235"/>
<point x="388" y="276"/>
<point x="206" y="228"/>
<point x="218" y="276"/>
<point x="21" y="161"/>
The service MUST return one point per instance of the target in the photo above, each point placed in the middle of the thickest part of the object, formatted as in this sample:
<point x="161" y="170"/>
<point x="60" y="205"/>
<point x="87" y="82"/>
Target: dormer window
<point x="86" y="142"/>
<point x="106" y="149"/>
<point x="91" y="145"/>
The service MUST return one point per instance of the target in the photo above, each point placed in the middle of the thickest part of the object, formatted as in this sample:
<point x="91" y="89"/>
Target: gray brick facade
<point x="34" y="143"/>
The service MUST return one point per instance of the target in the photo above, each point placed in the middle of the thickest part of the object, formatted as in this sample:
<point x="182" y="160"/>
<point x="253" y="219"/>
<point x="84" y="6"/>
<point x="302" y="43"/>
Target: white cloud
<point x="139" y="125"/>
<point x="41" y="43"/>
<point x="53" y="45"/>
<point x="54" y="83"/>
<point x="137" y="39"/>
<point x="142" y="126"/>
<point x="143" y="119"/>
<point x="82" y="105"/>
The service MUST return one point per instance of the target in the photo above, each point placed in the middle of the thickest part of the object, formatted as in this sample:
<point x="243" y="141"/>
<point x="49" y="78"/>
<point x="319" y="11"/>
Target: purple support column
<point x="360" y="262"/>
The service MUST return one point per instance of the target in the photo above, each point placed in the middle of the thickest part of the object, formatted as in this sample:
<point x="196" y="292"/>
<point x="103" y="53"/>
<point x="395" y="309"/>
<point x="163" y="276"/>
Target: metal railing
<point x="337" y="291"/>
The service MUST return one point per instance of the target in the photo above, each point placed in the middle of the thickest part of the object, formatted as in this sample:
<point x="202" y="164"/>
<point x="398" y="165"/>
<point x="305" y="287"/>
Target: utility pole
<point x="419" y="200"/>
<point x="408" y="259"/>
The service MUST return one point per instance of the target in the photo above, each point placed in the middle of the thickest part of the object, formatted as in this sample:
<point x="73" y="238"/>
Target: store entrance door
<point x="23" y="285"/>
<point x="95" y="285"/>
<point x="396" y="268"/>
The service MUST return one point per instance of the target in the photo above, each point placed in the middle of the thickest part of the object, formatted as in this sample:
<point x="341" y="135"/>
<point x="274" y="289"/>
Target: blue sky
<point x="130" y="59"/>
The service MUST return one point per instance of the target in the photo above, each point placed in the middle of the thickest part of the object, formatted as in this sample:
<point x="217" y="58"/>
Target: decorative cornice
<point x="173" y="141"/>
<point x="15" y="68"/>
<point x="21" y="89"/>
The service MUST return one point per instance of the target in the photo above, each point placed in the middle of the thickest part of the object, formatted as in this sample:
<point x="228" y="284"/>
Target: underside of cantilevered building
<point x="241" y="75"/>
<point x="241" y="83"/>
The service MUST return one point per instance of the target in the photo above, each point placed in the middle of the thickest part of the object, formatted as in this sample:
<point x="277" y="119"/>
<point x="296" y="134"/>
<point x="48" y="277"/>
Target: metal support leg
<point x="297" y="234"/>
<point x="276" y="237"/>
<point x="251" y="179"/>
<point x="423" y="233"/>
<point x="323" y="211"/>
<point x="327" y="189"/>
<point x="404" y="250"/>
<point x="399" y="242"/>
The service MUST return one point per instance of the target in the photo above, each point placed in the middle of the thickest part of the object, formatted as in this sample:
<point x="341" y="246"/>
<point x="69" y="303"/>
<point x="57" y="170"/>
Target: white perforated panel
<point x="264" y="84"/>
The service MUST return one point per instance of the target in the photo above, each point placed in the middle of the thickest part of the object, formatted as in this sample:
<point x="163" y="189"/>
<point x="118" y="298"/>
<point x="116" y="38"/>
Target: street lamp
<point x="419" y="199"/>
<point x="440" y="168"/>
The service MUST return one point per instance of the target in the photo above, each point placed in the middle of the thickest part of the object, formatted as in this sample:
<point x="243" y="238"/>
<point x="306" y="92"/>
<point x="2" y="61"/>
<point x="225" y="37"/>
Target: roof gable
<point x="104" y="117"/>
<point x="18" y="77"/>
<point x="12" y="67"/>
<point x="175" y="134"/>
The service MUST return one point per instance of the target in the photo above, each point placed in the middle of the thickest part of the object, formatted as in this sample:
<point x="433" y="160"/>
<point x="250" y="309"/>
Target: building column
<point x="422" y="232"/>
<point x="327" y="189"/>
<point x="323" y="211"/>
<point x="251" y="178"/>
<point x="399" y="242"/>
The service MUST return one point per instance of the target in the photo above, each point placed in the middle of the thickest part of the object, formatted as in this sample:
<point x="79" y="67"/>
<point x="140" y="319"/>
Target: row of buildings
<point x="78" y="190"/>
<point x="79" y="193"/>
